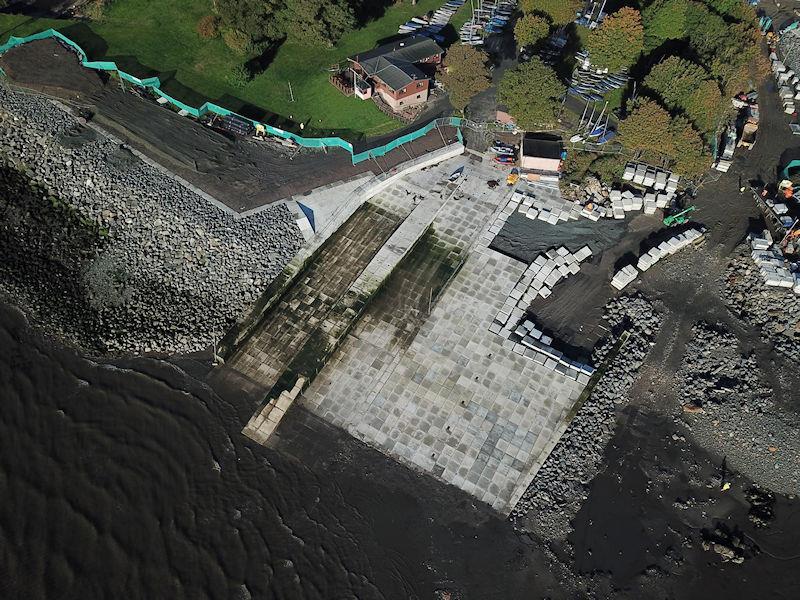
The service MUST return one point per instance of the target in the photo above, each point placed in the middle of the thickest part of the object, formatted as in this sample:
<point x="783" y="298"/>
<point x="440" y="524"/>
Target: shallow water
<point x="131" y="479"/>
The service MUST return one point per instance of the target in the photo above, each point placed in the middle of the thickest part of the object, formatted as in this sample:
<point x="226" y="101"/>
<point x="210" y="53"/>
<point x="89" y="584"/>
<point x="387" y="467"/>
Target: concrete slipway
<point x="417" y="373"/>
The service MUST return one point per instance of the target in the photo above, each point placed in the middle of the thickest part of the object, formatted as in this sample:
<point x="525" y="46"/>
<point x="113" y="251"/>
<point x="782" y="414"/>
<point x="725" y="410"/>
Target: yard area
<point x="158" y="38"/>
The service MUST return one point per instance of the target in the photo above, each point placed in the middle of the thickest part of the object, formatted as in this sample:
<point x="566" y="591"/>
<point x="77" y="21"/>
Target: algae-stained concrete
<point x="442" y="393"/>
<point x="286" y="328"/>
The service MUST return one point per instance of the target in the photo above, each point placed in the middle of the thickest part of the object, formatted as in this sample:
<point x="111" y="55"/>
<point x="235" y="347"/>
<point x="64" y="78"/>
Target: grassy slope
<point x="161" y="37"/>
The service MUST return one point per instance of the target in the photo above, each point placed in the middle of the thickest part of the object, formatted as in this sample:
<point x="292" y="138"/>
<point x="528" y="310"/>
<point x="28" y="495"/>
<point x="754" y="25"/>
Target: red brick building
<point x="400" y="72"/>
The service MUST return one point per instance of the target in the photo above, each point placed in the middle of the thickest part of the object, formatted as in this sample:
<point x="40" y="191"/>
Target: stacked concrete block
<point x="672" y="183"/>
<point x="771" y="264"/>
<point x="593" y="213"/>
<point x="626" y="203"/>
<point x="550" y="207"/>
<point x="649" y="205"/>
<point x="624" y="276"/>
<point x="652" y="178"/>
<point x="645" y="262"/>
<point x="630" y="171"/>
<point x="537" y="281"/>
<point x="532" y="343"/>
<point x="779" y="208"/>
<point x="667" y="247"/>
<point x="641" y="171"/>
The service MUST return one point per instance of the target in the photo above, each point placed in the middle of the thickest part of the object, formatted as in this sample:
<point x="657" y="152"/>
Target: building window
<point x="401" y="103"/>
<point x="403" y="91"/>
<point x="419" y="95"/>
<point x="419" y="85"/>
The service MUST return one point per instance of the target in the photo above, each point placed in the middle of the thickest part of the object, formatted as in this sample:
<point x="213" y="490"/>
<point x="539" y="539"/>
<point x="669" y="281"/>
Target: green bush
<point x="239" y="77"/>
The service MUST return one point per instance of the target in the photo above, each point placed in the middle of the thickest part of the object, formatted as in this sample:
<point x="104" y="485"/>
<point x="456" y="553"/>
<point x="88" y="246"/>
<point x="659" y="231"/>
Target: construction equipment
<point x="513" y="177"/>
<point x="678" y="218"/>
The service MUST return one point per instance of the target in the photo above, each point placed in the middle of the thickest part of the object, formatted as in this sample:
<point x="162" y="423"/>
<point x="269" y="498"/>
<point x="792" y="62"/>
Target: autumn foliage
<point x="618" y="42"/>
<point x="655" y="136"/>
<point x="465" y="74"/>
<point x="208" y="27"/>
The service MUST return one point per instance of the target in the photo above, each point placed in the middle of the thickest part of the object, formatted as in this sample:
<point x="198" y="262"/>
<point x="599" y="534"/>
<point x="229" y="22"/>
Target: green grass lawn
<point x="147" y="38"/>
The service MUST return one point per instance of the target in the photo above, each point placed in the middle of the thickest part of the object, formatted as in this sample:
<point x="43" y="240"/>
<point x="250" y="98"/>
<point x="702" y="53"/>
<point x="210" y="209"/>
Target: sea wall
<point x="136" y="262"/>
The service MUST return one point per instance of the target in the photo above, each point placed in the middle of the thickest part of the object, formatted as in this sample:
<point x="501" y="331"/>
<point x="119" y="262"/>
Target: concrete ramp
<point x="307" y="326"/>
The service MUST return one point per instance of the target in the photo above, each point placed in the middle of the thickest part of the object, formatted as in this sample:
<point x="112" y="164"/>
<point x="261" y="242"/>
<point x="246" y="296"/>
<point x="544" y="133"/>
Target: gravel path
<point x="173" y="272"/>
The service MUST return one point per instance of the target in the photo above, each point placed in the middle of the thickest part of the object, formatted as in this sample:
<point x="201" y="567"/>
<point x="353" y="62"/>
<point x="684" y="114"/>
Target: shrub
<point x="208" y="27"/>
<point x="239" y="77"/>
<point x="236" y="41"/>
<point x="95" y="9"/>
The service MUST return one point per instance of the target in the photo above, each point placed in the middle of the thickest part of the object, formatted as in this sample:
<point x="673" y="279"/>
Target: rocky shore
<point x="731" y="410"/>
<point x="560" y="487"/>
<point x="775" y="311"/>
<point x="115" y="256"/>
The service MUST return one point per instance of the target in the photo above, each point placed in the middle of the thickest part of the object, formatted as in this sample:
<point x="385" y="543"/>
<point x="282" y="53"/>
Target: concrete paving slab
<point x="454" y="399"/>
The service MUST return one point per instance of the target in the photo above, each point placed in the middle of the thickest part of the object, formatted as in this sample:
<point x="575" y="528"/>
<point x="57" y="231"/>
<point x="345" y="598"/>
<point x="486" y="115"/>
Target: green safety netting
<point x="154" y="84"/>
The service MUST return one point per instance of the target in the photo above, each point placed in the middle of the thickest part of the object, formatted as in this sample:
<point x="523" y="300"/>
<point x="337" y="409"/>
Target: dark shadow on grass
<point x="93" y="45"/>
<point x="40" y="8"/>
<point x="370" y="10"/>
<point x="259" y="64"/>
<point x="11" y="31"/>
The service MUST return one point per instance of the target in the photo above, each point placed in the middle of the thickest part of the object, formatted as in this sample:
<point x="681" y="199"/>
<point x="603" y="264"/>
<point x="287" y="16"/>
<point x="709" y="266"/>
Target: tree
<point x="560" y="12"/>
<point x="618" y="42"/>
<point x="532" y="93"/>
<point x="685" y="86"/>
<point x="465" y="75"/>
<point x="315" y="21"/>
<point x="652" y="133"/>
<point x="664" y="20"/>
<point x="690" y="158"/>
<point x="530" y="29"/>
<point x="646" y="130"/>
<point x="707" y="31"/>
<point x="674" y="79"/>
<point x="251" y="20"/>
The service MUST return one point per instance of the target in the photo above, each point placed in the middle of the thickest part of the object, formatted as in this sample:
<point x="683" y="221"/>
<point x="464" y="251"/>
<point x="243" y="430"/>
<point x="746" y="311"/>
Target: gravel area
<point x="167" y="272"/>
<point x="733" y="412"/>
<point x="775" y="311"/>
<point x="561" y="485"/>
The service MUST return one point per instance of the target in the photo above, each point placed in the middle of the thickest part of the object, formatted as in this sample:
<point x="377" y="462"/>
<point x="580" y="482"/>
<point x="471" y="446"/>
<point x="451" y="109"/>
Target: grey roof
<point x="394" y="63"/>
<point x="541" y="145"/>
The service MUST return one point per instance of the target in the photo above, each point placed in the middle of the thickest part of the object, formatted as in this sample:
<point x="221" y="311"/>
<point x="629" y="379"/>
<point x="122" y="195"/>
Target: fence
<point x="154" y="84"/>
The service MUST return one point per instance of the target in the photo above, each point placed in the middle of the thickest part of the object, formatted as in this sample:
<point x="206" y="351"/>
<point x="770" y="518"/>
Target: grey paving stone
<point x="501" y="411"/>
